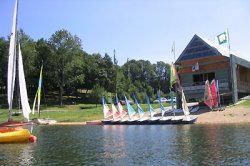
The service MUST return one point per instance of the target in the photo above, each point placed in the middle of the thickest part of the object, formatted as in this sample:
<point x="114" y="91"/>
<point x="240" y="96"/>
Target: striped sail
<point x="208" y="99"/>
<point x="23" y="90"/>
<point x="120" y="108"/>
<point x="38" y="93"/>
<point x="139" y="109"/>
<point x="214" y="93"/>
<point x="131" y="111"/>
<point x="106" y="110"/>
<point x="39" y="90"/>
<point x="115" y="112"/>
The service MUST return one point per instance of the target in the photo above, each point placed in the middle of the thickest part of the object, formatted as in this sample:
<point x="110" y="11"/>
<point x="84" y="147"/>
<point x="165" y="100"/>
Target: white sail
<point x="184" y="105"/>
<point x="23" y="90"/>
<point x="12" y="60"/>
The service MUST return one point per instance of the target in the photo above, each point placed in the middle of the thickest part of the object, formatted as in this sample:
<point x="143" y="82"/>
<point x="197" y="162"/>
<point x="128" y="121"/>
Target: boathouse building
<point x="203" y="59"/>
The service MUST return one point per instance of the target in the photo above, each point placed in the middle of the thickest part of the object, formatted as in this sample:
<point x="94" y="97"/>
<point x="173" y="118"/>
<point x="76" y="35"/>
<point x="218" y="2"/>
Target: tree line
<point x="72" y="75"/>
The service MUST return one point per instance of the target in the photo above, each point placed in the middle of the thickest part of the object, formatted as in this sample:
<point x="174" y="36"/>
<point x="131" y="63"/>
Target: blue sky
<point x="136" y="29"/>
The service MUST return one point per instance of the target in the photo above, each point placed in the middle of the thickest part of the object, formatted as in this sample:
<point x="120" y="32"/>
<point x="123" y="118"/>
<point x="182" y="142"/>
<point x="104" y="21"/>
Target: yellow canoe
<point x="12" y="136"/>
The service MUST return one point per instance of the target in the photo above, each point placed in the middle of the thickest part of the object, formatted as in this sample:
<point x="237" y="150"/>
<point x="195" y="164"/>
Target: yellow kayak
<point x="8" y="135"/>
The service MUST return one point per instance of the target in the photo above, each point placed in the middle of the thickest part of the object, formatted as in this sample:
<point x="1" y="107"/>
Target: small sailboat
<point x="163" y="119"/>
<point x="188" y="119"/>
<point x="131" y="113"/>
<point x="15" y="62"/>
<point x="208" y="98"/>
<point x="152" y="119"/>
<point x="106" y="112"/>
<point x="39" y="120"/>
<point x="122" y="111"/>
<point x="142" y="120"/>
<point x="214" y="91"/>
<point x="174" y="79"/>
<point x="12" y="131"/>
<point x="115" y="113"/>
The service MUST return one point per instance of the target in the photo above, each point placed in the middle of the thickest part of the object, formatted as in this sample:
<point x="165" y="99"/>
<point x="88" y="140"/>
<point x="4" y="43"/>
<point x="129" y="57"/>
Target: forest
<point x="71" y="75"/>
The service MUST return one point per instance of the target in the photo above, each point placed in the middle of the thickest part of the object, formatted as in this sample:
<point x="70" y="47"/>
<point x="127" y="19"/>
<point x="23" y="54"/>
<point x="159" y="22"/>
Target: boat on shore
<point x="39" y="120"/>
<point x="44" y="121"/>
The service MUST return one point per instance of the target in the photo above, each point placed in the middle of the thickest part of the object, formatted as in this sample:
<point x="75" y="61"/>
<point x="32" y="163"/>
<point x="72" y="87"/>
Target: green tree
<point x="91" y="71"/>
<point x="45" y="57"/>
<point x="65" y="46"/>
<point x="29" y="55"/>
<point x="75" y="74"/>
<point x="4" y="48"/>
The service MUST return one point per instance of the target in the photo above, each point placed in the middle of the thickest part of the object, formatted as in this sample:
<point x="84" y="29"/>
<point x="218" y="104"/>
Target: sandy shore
<point x="233" y="114"/>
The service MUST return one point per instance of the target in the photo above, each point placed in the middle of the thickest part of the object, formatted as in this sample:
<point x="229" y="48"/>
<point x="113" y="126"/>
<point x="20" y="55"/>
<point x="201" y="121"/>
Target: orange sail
<point x="214" y="93"/>
<point x="208" y="99"/>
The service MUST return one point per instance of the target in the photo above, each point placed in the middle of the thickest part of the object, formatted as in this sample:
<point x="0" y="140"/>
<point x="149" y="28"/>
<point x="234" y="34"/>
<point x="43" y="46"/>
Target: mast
<point x="171" y="79"/>
<point x="12" y="62"/>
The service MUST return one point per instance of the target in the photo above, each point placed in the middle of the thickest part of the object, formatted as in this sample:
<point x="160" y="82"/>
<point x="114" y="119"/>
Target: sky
<point x="136" y="29"/>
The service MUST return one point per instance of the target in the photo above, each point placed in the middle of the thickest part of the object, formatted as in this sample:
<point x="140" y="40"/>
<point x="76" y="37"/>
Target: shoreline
<point x="231" y="115"/>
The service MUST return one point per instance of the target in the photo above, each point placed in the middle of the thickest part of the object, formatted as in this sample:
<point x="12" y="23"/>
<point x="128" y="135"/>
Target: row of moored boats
<point x="120" y="116"/>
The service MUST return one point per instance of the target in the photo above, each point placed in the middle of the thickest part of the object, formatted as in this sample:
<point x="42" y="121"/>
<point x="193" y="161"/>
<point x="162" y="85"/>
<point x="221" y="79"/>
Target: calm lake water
<point x="133" y="145"/>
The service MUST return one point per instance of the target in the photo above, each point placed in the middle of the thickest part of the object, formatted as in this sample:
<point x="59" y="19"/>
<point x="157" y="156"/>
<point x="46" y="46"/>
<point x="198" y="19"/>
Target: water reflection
<point x="16" y="154"/>
<point x="133" y="145"/>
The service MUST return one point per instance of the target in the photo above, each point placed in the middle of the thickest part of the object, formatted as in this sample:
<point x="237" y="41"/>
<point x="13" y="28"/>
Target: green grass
<point x="245" y="104"/>
<point x="70" y="113"/>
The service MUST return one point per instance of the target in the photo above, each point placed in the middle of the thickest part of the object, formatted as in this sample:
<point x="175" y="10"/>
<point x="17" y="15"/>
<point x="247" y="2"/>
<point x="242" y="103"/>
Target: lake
<point x="133" y="145"/>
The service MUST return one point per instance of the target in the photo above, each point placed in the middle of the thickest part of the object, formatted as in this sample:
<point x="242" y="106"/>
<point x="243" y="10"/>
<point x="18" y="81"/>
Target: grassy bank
<point x="80" y="112"/>
<point x="70" y="113"/>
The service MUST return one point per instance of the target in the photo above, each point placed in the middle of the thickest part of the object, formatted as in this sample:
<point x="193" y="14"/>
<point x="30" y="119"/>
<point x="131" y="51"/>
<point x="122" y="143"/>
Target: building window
<point x="199" y="79"/>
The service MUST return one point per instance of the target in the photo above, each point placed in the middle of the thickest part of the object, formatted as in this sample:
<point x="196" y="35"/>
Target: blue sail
<point x="103" y="101"/>
<point x="130" y="109"/>
<point x="161" y="106"/>
<point x="151" y="110"/>
<point x="140" y="110"/>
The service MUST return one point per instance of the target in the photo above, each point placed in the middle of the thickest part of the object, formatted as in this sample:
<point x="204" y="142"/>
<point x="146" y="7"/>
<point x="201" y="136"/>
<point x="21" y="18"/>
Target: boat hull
<point x="189" y="121"/>
<point x="41" y="121"/>
<point x="107" y="122"/>
<point x="177" y="120"/>
<point x="10" y="135"/>
<point x="164" y="121"/>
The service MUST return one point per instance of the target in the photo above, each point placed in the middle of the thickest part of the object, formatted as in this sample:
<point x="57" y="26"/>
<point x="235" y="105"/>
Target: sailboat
<point x="15" y="62"/>
<point x="131" y="113"/>
<point x="12" y="131"/>
<point x="115" y="113"/>
<point x="152" y="119"/>
<point x="174" y="79"/>
<point x="142" y="119"/>
<point x="106" y="112"/>
<point x="214" y="94"/>
<point x="40" y="121"/>
<point x="208" y="98"/>
<point x="188" y="119"/>
<point x="163" y="119"/>
<point x="122" y="111"/>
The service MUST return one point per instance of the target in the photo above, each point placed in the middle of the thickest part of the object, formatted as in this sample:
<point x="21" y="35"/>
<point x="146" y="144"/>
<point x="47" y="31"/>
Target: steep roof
<point x="200" y="47"/>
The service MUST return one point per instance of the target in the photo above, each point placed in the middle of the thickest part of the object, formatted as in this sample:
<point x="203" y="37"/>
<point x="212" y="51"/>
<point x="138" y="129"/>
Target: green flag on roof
<point x="222" y="38"/>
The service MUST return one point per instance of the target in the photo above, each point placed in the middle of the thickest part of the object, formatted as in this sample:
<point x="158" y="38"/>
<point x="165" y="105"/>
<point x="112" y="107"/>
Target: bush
<point x="96" y="94"/>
